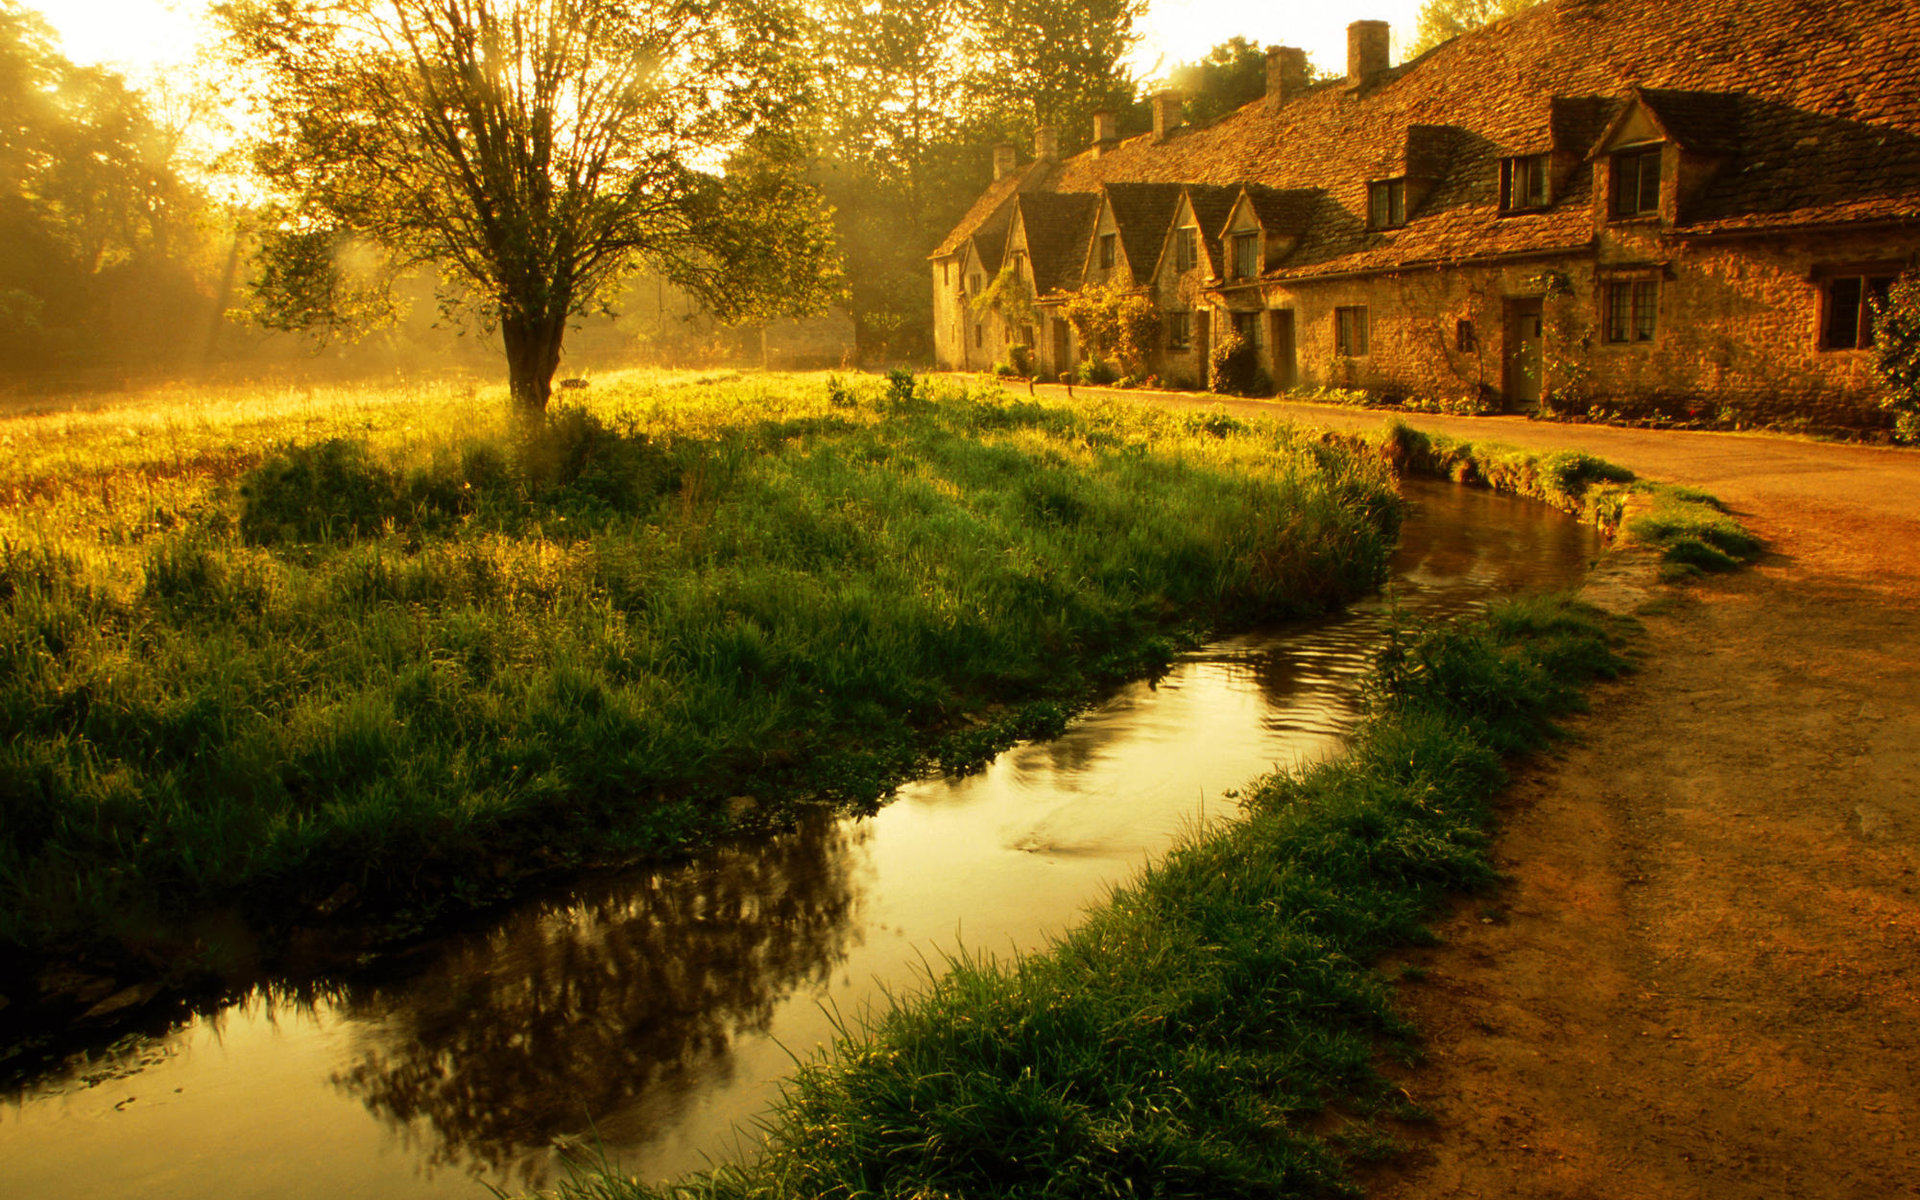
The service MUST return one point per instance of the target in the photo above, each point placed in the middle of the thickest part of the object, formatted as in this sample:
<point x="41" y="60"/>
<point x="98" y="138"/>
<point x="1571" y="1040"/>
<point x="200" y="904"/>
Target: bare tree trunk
<point x="533" y="354"/>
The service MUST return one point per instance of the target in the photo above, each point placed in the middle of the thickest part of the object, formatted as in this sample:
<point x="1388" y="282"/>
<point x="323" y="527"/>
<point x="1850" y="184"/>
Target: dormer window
<point x="1109" y="250"/>
<point x="1246" y="255"/>
<point x="1523" y="183"/>
<point x="1186" y="249"/>
<point x="1636" y="182"/>
<point x="1387" y="204"/>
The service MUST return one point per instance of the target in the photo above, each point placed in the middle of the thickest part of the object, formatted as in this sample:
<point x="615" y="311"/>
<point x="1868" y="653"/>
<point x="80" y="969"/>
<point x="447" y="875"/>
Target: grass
<point x="363" y="656"/>
<point x="1214" y="1029"/>
<point x="1690" y="529"/>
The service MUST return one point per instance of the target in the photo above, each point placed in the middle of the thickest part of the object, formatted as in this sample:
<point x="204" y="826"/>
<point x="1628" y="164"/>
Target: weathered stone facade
<point x="1680" y="204"/>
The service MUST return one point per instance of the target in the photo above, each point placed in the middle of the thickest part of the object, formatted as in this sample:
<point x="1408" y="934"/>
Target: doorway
<point x="1286" y="371"/>
<point x="1524" y="339"/>
<point x="1203" y="343"/>
<point x="1062" y="349"/>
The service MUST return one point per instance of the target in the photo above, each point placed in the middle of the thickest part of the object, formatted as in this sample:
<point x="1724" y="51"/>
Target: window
<point x="1387" y="204"/>
<point x="1026" y="335"/>
<point x="1636" y="182"/>
<point x="1523" y="183"/>
<point x="1247" y="325"/>
<point x="979" y="336"/>
<point x="978" y="283"/>
<point x="1246" y="255"/>
<point x="1350" y="331"/>
<point x="1849" y="319"/>
<point x="1630" y="310"/>
<point x="1463" y="340"/>
<point x="1186" y="249"/>
<point x="1179" y="330"/>
<point x="1109" y="250"/>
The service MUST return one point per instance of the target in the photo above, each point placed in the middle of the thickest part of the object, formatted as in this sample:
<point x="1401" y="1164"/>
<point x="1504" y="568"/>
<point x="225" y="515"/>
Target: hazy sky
<point x="141" y="35"/>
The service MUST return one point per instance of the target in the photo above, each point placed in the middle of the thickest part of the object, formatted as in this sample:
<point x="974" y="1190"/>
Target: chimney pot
<point x="1166" y="114"/>
<point x="1046" y="144"/>
<point x="1367" y="50"/>
<point x="1286" y="74"/>
<point x="1005" y="159"/>
<point x="1106" y="132"/>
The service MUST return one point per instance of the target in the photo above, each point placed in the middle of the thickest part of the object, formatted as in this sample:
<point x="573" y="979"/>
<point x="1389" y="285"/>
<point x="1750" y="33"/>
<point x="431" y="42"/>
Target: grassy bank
<point x="1690" y="529"/>
<point x="1212" y="1031"/>
<point x="280" y="661"/>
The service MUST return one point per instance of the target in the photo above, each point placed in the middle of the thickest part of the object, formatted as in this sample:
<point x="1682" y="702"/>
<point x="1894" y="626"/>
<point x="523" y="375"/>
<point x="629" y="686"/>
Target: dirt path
<point x="1703" y="979"/>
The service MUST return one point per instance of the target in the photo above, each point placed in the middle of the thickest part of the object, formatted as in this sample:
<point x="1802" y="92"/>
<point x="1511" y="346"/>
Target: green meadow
<point x="272" y="659"/>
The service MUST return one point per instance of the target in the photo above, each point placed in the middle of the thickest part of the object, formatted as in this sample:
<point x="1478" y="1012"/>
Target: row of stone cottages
<point x="1672" y="204"/>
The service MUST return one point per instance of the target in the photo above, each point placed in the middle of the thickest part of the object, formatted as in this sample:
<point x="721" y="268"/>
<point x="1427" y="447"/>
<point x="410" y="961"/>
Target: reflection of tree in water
<point x="624" y="999"/>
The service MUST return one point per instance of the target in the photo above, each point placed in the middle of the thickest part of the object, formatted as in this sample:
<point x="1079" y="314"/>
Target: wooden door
<point x="1286" y="370"/>
<point x="1523" y="353"/>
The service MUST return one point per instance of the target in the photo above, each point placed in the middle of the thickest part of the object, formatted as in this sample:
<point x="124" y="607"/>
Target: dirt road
<point x="1703" y="978"/>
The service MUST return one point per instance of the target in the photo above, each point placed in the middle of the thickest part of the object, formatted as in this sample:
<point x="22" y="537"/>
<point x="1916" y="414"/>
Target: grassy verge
<point x="274" y="662"/>
<point x="1212" y="1030"/>
<point x="1690" y="529"/>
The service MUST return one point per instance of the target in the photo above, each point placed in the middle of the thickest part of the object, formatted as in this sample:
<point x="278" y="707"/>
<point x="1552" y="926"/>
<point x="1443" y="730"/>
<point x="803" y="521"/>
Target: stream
<point x="656" y="1012"/>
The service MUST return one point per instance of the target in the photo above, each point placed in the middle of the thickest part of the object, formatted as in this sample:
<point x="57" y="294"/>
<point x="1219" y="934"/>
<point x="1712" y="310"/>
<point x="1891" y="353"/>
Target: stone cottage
<point x="1676" y="203"/>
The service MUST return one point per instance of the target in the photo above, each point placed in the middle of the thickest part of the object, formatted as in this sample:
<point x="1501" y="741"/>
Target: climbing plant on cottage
<point x="1116" y="327"/>
<point x="1896" y="353"/>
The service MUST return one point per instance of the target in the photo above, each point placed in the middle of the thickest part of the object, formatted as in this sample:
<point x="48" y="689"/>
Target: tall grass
<point x="285" y="657"/>
<point x="1213" y="1030"/>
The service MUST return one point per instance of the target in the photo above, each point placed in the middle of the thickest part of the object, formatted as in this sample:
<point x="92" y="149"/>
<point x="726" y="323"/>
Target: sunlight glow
<point x="143" y="37"/>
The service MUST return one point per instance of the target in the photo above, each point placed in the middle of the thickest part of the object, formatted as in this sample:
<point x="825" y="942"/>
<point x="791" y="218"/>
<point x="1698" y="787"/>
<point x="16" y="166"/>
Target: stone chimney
<point x="1367" y="50"/>
<point x="1166" y="114"/>
<point x="1286" y="74"/>
<point x="1005" y="160"/>
<point x="1106" y="132"/>
<point x="1046" y="144"/>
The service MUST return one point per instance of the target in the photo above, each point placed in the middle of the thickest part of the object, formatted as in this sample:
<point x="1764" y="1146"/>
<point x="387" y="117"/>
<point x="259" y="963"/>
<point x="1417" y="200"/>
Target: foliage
<point x="106" y="246"/>
<point x="915" y="94"/>
<point x="1009" y="296"/>
<point x="1233" y="365"/>
<point x="1896" y="353"/>
<point x="1444" y="20"/>
<point x="1192" y="1036"/>
<point x="259" y="645"/>
<point x="535" y="152"/>
<point x="1232" y="74"/>
<point x="1116" y="327"/>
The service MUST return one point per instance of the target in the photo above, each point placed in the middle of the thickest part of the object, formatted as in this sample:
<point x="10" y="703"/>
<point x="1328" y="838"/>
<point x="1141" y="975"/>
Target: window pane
<point x="1650" y="181"/>
<point x="1343" y="330"/>
<point x="1360" y="331"/>
<point x="1533" y="173"/>
<point x="1646" y="302"/>
<point x="1396" y="203"/>
<point x="1618" y="313"/>
<point x="1843" y="314"/>
<point x="1463" y="336"/>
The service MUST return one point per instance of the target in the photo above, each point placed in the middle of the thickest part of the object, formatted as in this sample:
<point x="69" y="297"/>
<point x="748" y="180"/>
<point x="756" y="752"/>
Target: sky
<point x="144" y="37"/>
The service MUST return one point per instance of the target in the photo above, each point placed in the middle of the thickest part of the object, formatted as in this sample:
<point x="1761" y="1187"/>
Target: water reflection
<point x="655" y="1012"/>
<point x="623" y="999"/>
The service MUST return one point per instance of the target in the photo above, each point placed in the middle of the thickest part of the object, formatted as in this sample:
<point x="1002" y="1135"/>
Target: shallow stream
<point x="656" y="1011"/>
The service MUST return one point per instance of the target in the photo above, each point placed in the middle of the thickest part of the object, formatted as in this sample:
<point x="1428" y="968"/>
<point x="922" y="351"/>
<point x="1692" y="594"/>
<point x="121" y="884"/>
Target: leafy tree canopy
<point x="1232" y="74"/>
<point x="1443" y="20"/>
<point x="532" y="152"/>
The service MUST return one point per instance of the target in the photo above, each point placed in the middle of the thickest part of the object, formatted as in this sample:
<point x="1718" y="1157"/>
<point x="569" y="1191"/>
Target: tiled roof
<point x="1212" y="205"/>
<point x="1031" y="177"/>
<point x="1142" y="212"/>
<point x="1811" y="106"/>
<point x="1058" y="225"/>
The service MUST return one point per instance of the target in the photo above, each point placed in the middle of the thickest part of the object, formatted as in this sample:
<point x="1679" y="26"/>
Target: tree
<point x="1050" y="62"/>
<point x="1232" y="74"/>
<point x="1443" y="20"/>
<point x="533" y="153"/>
